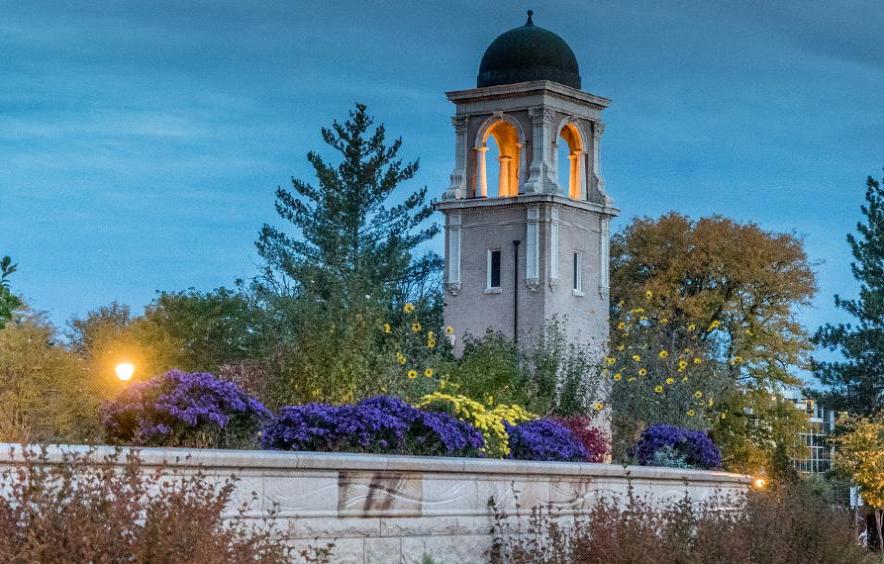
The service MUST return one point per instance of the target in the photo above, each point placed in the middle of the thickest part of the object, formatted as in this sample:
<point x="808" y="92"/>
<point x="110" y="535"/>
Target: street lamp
<point x="124" y="371"/>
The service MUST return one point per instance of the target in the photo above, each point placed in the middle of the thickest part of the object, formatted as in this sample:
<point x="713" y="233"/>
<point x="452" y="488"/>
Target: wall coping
<point x="11" y="453"/>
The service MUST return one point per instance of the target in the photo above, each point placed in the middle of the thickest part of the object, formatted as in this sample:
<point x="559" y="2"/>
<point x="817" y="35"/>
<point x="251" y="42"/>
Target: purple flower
<point x="544" y="439"/>
<point x="184" y="409"/>
<point x="695" y="448"/>
<point x="381" y="424"/>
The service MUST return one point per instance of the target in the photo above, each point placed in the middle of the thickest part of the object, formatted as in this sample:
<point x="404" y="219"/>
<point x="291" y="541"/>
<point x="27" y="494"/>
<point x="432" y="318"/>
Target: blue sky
<point x="141" y="142"/>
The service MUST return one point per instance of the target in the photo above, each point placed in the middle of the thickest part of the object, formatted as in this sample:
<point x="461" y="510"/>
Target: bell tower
<point x="526" y="214"/>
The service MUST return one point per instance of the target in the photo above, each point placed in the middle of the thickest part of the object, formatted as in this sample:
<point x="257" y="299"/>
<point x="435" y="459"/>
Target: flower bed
<point x="184" y="409"/>
<point x="668" y="445"/>
<point x="377" y="425"/>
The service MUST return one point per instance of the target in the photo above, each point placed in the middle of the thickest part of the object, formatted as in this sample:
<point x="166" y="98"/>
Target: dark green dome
<point x="528" y="53"/>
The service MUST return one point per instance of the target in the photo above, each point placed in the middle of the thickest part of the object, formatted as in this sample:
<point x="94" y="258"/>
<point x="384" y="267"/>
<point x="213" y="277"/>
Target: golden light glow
<point x="506" y="137"/>
<point x="759" y="483"/>
<point x="571" y="136"/>
<point x="124" y="371"/>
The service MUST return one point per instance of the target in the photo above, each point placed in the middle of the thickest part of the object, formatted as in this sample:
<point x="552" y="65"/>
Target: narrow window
<point x="578" y="274"/>
<point x="494" y="268"/>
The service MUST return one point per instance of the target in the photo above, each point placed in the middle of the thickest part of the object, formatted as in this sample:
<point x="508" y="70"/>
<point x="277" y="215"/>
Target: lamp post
<point x="124" y="371"/>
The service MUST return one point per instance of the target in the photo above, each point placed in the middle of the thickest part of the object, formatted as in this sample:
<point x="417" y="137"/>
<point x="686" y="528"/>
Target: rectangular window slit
<point x="494" y="268"/>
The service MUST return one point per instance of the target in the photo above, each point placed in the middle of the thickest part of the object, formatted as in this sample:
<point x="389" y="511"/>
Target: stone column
<point x="457" y="190"/>
<point x="532" y="248"/>
<point x="598" y="128"/>
<point x="579" y="170"/>
<point x="553" y="251"/>
<point x="481" y="177"/>
<point x="503" y="183"/>
<point x="539" y="179"/>
<point x="604" y="260"/>
<point x="574" y="175"/>
<point x="452" y="254"/>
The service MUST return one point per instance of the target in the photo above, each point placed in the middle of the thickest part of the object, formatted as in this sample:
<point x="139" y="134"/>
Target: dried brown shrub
<point x="789" y="526"/>
<point x="115" y="511"/>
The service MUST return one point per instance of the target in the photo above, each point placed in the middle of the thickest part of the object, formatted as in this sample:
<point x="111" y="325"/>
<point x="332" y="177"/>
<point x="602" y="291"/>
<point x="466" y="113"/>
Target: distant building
<point x="821" y="424"/>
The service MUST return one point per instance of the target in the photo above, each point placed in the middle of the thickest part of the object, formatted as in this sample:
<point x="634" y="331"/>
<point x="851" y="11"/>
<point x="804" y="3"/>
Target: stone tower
<point x="526" y="233"/>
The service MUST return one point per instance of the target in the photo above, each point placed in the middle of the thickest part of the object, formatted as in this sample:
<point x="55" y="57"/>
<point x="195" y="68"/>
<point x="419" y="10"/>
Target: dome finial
<point x="530" y="22"/>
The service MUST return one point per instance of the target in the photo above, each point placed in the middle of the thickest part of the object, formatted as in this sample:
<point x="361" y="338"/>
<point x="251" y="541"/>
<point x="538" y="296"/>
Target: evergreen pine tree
<point x="350" y="241"/>
<point x="855" y="383"/>
<point x="8" y="301"/>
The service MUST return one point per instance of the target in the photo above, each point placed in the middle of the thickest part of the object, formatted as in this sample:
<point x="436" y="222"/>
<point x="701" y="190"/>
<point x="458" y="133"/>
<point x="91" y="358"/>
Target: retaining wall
<point x="390" y="509"/>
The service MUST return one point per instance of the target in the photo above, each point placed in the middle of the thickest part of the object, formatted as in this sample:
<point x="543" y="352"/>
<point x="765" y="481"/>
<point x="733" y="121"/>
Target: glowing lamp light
<point x="124" y="371"/>
<point x="759" y="483"/>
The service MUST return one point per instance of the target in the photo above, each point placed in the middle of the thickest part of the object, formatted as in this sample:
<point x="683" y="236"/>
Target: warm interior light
<point x="759" y="483"/>
<point x="124" y="371"/>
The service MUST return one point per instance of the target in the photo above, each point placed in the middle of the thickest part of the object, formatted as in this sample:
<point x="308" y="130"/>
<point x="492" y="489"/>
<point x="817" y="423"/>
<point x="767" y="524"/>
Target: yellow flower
<point x="670" y="380"/>
<point x="400" y="358"/>
<point x="408" y="308"/>
<point x="649" y="294"/>
<point x="692" y="327"/>
<point x="664" y="321"/>
<point x="642" y="371"/>
<point x="636" y="358"/>
<point x="621" y="326"/>
<point x="388" y="328"/>
<point x="412" y="374"/>
<point x="698" y="360"/>
<point x="431" y="335"/>
<point x="736" y="360"/>
<point x="713" y="326"/>
<point x="610" y="360"/>
<point x="691" y="413"/>
<point x="749" y="332"/>
<point x="685" y="379"/>
<point x="598" y="406"/>
<point x="428" y="372"/>
<point x="416" y="327"/>
<point x="449" y="330"/>
<point x="431" y="343"/>
<point x="658" y="388"/>
<point x="631" y="379"/>
<point x="621" y="347"/>
<point x="698" y="394"/>
<point x="724" y="415"/>
<point x="663" y="354"/>
<point x="710" y="403"/>
<point x="643" y="318"/>
<point x="682" y="364"/>
<point x="618" y="377"/>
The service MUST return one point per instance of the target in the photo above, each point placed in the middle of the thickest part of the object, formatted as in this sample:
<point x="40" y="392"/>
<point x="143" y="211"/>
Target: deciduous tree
<point x="860" y="455"/>
<point x="728" y="292"/>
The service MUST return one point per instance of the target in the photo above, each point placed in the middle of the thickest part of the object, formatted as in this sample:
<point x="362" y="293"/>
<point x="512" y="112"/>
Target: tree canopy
<point x="714" y="273"/>
<point x="722" y="295"/>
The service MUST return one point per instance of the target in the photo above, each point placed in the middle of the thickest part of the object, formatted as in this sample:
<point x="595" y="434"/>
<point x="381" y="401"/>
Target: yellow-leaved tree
<point x="730" y="293"/>
<point x="860" y="455"/>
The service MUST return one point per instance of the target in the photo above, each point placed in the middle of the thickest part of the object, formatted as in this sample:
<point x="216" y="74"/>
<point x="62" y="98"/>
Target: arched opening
<point x="497" y="161"/>
<point x="570" y="154"/>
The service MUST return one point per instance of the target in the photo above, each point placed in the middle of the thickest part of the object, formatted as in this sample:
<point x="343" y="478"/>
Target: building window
<point x="577" y="263"/>
<point x="493" y="268"/>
